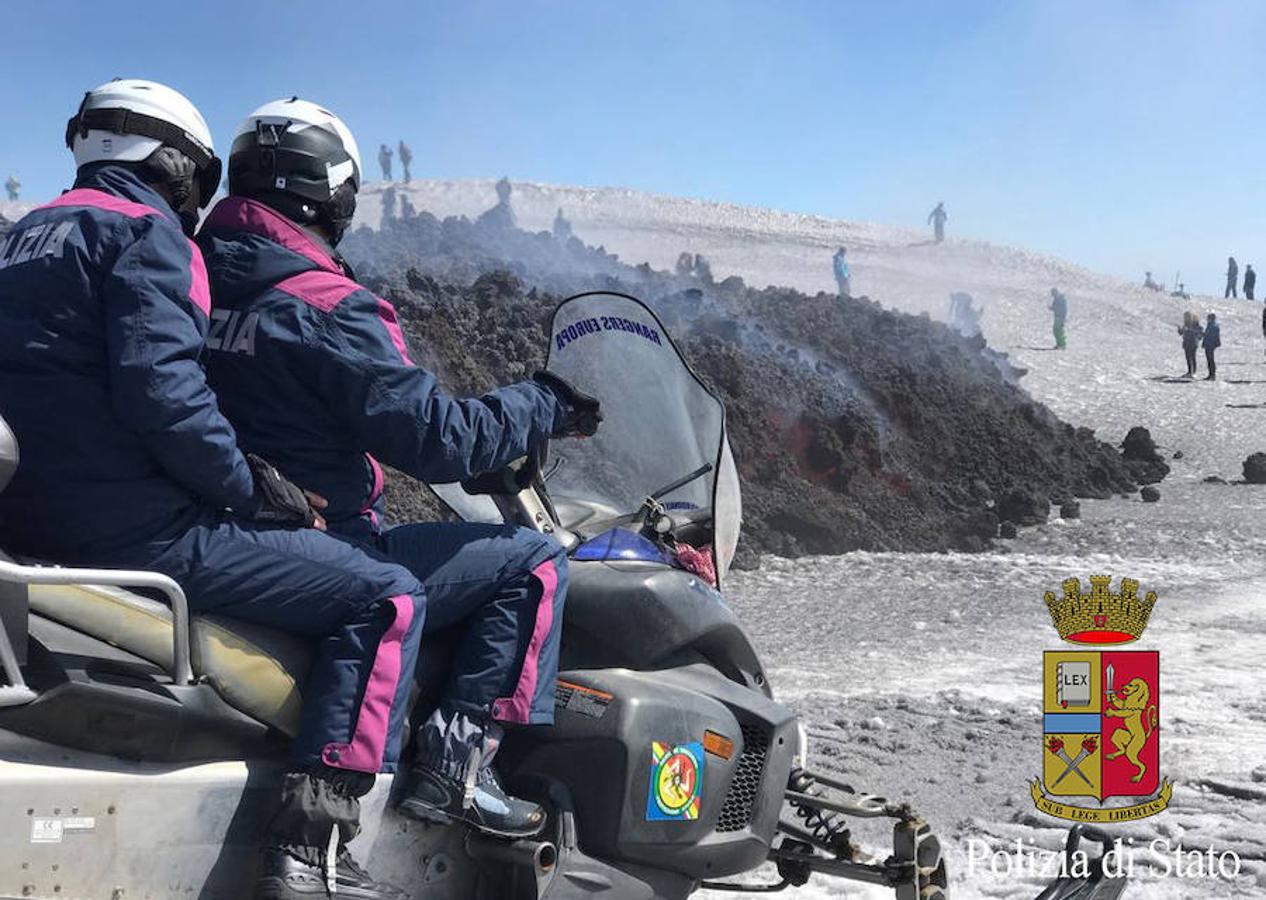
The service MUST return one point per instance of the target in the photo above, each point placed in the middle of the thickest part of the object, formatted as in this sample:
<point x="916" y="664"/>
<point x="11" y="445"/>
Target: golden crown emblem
<point x="1100" y="617"/>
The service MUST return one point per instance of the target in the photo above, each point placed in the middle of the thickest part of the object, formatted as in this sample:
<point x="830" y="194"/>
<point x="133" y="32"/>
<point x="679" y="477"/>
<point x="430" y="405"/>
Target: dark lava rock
<point x="1214" y="479"/>
<point x="1255" y="468"/>
<point x="1177" y="454"/>
<point x="1008" y="530"/>
<point x="1149" y="494"/>
<point x="1023" y="508"/>
<point x="1070" y="510"/>
<point x="1141" y="456"/>
<point x="853" y="427"/>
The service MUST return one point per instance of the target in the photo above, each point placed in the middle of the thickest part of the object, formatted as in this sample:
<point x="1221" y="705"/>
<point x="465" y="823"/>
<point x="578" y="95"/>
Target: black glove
<point x="277" y="501"/>
<point x="583" y="411"/>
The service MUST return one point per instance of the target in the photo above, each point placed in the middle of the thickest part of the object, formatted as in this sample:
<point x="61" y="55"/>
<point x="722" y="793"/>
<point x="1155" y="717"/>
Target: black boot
<point x="435" y="797"/>
<point x="300" y="874"/>
<point x="314" y="804"/>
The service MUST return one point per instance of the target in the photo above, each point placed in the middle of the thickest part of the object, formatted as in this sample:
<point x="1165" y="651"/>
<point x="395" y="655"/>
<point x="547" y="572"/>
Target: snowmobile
<point x="140" y="745"/>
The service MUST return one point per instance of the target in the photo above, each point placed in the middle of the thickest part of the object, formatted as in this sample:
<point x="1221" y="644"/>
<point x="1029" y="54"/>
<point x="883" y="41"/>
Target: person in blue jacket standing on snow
<point x="1211" y="341"/>
<point x="128" y="462"/>
<point x="839" y="265"/>
<point x="314" y="371"/>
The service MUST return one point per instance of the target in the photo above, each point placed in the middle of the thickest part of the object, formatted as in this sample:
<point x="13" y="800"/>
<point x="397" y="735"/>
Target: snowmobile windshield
<point x="661" y="426"/>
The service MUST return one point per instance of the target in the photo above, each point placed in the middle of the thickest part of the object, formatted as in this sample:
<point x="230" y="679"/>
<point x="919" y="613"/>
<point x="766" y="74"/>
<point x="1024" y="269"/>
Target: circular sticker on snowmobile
<point x="676" y="784"/>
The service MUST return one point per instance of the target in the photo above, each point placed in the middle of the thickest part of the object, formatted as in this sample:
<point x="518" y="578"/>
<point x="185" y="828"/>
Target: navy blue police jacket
<point x="104" y="306"/>
<point x="314" y="373"/>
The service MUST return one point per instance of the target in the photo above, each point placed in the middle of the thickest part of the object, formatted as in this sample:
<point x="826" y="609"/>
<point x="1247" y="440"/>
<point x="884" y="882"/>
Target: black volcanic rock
<point x="1255" y="468"/>
<point x="853" y="427"/>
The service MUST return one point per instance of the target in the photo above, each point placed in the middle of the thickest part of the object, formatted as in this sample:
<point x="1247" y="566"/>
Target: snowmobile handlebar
<point x="181" y="667"/>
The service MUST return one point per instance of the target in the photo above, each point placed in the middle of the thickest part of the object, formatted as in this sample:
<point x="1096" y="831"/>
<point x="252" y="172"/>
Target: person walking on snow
<point x="1212" y="341"/>
<point x="1232" y="277"/>
<point x="1059" y="311"/>
<point x="937" y="219"/>
<point x="406" y="158"/>
<point x="13" y="187"/>
<point x="384" y="161"/>
<point x="325" y="384"/>
<point x="1250" y="281"/>
<point x="1264" y="320"/>
<point x="128" y="461"/>
<point x="1151" y="283"/>
<point x="839" y="265"/>
<point x="1191" y="332"/>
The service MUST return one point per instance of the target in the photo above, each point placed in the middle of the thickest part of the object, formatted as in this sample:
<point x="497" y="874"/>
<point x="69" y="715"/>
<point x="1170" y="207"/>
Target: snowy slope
<point x="918" y="674"/>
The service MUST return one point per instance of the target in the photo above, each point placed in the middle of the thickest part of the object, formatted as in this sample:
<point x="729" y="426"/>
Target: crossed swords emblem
<point x="1088" y="746"/>
<point x="1072" y="764"/>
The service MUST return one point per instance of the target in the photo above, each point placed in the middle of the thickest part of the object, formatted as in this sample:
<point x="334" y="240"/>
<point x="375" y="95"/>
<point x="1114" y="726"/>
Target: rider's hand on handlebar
<point x="584" y="413"/>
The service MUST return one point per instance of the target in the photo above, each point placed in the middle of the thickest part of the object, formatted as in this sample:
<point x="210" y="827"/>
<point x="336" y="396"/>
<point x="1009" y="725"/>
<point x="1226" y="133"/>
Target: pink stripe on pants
<point x="369" y="741"/>
<point x="517" y="708"/>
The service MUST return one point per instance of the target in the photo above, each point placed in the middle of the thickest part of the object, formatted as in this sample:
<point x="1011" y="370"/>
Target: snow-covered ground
<point x="919" y="674"/>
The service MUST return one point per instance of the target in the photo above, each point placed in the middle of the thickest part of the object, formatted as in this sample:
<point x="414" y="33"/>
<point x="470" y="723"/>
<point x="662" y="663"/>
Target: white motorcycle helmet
<point x="133" y="121"/>
<point x="300" y="159"/>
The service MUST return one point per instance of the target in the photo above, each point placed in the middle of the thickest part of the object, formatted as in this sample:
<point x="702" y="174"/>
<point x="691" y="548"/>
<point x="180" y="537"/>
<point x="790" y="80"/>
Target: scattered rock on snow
<point x="1177" y="454"/>
<point x="1140" y="455"/>
<point x="1023" y="507"/>
<point x="1255" y="468"/>
<point x="1149" y="494"/>
<point x="1214" y="479"/>
<point x="1070" y="510"/>
<point x="1008" y="530"/>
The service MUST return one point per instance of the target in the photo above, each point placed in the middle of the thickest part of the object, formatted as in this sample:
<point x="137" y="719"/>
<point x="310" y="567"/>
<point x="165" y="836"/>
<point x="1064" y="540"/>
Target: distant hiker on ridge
<point x="562" y="228"/>
<point x="1059" y="310"/>
<point x="1191" y="332"/>
<point x="1264" y="321"/>
<point x="1180" y="292"/>
<point x="1212" y="341"/>
<point x="1232" y="277"/>
<point x="702" y="269"/>
<point x="1151" y="283"/>
<point x="406" y="157"/>
<point x="13" y="186"/>
<point x="685" y="264"/>
<point x="839" y="265"/>
<point x="964" y="317"/>
<point x="384" y="160"/>
<point x="1250" y="281"/>
<point x="501" y="215"/>
<point x="937" y="219"/>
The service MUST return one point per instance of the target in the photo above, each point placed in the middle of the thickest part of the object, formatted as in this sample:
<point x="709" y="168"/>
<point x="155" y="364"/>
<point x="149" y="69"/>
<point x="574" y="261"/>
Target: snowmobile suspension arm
<point x="182" y="668"/>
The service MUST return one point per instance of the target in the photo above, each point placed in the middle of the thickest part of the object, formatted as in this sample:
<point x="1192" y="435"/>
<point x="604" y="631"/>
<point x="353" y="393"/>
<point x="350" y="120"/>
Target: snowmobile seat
<point x="257" y="670"/>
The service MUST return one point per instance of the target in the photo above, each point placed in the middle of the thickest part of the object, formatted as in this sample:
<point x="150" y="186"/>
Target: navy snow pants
<point x="367" y="614"/>
<point x="508" y="586"/>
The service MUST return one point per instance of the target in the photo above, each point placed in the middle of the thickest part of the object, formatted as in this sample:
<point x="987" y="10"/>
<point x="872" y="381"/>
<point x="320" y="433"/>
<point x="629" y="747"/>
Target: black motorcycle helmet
<point x="301" y="160"/>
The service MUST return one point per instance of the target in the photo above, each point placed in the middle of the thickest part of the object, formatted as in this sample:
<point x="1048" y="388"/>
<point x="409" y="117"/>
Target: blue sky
<point x="1122" y="135"/>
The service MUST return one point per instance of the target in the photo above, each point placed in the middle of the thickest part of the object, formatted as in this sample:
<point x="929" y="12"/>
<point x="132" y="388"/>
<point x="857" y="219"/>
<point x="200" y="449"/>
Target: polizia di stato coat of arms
<point x="1101" y="708"/>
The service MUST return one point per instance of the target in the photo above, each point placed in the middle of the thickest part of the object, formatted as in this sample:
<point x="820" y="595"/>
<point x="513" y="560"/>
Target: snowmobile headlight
<point x="801" y="758"/>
